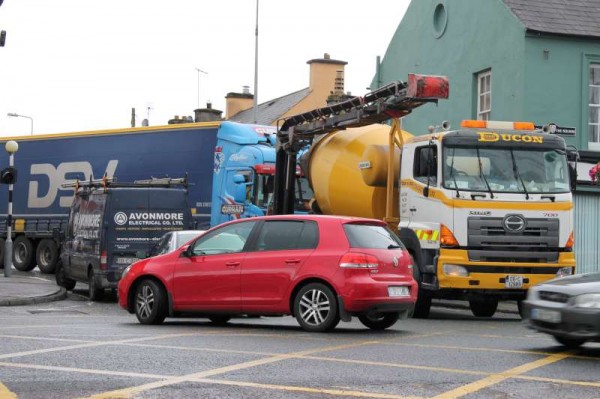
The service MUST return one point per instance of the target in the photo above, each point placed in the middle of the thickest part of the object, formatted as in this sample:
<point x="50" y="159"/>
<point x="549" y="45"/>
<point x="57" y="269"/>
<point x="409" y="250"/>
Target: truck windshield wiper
<point x="452" y="174"/>
<point x="517" y="174"/>
<point x="483" y="176"/>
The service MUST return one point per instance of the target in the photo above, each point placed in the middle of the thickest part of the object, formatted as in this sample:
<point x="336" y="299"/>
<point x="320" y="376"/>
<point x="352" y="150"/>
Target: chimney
<point x="238" y="102"/>
<point x="326" y="75"/>
<point x="207" y="114"/>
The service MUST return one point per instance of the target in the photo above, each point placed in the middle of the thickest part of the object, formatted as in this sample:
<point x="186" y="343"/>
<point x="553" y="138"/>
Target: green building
<point x="511" y="60"/>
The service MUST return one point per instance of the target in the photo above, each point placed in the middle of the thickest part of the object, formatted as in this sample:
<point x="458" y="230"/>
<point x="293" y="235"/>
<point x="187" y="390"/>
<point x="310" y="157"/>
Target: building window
<point x="594" y="104"/>
<point x="484" y="95"/>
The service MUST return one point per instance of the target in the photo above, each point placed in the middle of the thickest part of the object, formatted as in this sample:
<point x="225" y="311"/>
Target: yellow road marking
<point x="499" y="377"/>
<point x="337" y="392"/>
<point x="236" y="367"/>
<point x="5" y="393"/>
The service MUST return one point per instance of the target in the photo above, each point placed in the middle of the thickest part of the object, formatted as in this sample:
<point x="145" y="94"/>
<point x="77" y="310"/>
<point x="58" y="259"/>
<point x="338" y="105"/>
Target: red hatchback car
<point x="320" y="269"/>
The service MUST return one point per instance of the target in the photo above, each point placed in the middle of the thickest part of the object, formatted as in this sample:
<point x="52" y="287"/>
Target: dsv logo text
<point x="56" y="176"/>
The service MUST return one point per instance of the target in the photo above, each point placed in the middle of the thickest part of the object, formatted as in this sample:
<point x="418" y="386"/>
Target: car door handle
<point x="289" y="261"/>
<point x="232" y="264"/>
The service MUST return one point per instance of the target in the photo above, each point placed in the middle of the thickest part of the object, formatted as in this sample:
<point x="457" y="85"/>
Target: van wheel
<point x="95" y="293"/>
<point x="2" y="244"/>
<point x="483" y="307"/>
<point x="379" y="321"/>
<point x="61" y="278"/>
<point x="47" y="255"/>
<point x="316" y="308"/>
<point x="150" y="302"/>
<point x="23" y="258"/>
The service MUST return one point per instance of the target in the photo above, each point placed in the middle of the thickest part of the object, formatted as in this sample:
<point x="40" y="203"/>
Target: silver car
<point x="567" y="308"/>
<point x="172" y="240"/>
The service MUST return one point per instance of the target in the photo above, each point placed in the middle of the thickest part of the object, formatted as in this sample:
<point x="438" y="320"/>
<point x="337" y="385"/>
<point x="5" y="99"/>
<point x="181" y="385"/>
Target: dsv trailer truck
<point x="229" y="167"/>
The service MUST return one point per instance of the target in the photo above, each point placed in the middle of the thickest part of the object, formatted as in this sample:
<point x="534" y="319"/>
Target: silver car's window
<point x="228" y="239"/>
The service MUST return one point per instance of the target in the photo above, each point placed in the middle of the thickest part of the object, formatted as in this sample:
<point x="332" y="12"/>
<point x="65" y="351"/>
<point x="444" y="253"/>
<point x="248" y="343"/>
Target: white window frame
<point x="484" y="91"/>
<point x="593" y="108"/>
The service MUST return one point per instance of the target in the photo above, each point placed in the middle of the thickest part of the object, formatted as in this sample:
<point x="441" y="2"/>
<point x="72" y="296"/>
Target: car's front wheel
<point x="379" y="321"/>
<point x="150" y="302"/>
<point x="315" y="307"/>
<point x="570" y="343"/>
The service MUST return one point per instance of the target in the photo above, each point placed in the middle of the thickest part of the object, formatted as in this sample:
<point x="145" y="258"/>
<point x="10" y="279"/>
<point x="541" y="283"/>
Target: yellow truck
<point x="485" y="210"/>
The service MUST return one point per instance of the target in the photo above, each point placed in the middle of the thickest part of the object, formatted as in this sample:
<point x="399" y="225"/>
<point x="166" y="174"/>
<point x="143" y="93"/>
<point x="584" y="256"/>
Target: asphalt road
<point x="80" y="349"/>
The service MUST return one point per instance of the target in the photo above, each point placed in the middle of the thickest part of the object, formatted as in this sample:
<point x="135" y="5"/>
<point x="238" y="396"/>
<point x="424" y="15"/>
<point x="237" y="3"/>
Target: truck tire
<point x="483" y="307"/>
<point x="46" y="255"/>
<point x="23" y="256"/>
<point x="94" y="292"/>
<point x="423" y="304"/>
<point x="61" y="278"/>
<point x="2" y="243"/>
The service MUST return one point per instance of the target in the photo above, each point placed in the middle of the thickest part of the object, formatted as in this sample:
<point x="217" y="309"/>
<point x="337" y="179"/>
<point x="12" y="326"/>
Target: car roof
<point x="317" y="218"/>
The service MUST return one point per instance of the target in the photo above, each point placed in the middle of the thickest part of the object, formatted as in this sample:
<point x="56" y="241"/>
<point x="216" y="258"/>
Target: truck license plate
<point x="549" y="316"/>
<point x="512" y="281"/>
<point x="398" y="291"/>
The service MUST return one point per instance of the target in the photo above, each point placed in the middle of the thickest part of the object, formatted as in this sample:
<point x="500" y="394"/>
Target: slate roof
<point x="267" y="113"/>
<point x="563" y="17"/>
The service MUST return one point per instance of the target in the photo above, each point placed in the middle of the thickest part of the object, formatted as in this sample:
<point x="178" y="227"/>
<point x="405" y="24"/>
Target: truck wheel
<point x="316" y="308"/>
<point x="46" y="255"/>
<point x="23" y="258"/>
<point x="422" y="306"/>
<point x="150" y="302"/>
<point x="483" y="307"/>
<point x="61" y="278"/>
<point x="379" y="321"/>
<point x="521" y="308"/>
<point x="2" y="243"/>
<point x="94" y="292"/>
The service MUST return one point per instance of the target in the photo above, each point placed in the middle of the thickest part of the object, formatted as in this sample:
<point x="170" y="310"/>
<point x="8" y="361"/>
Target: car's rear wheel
<point x="570" y="343"/>
<point x="95" y="293"/>
<point x="379" y="321"/>
<point x="219" y="320"/>
<point x="316" y="309"/>
<point x="150" y="302"/>
<point x="61" y="278"/>
<point x="483" y="307"/>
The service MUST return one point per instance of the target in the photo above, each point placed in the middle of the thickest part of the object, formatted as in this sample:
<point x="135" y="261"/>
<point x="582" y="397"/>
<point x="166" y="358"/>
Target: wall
<point x="478" y="35"/>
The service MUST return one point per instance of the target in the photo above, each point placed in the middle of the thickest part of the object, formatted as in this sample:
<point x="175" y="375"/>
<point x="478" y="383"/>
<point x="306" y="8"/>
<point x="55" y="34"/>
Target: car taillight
<point x="103" y="261"/>
<point x="356" y="260"/>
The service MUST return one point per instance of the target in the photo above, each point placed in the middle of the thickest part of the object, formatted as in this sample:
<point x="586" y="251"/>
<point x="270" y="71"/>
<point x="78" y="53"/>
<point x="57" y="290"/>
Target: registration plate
<point x="512" y="281"/>
<point x="125" y="261"/>
<point x="549" y="316"/>
<point x="398" y="291"/>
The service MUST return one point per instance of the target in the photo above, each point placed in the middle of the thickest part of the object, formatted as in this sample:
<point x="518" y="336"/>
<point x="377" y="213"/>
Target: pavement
<point x="20" y="289"/>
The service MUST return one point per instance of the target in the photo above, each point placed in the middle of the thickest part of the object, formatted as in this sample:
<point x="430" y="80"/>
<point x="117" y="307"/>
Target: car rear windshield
<point x="371" y="236"/>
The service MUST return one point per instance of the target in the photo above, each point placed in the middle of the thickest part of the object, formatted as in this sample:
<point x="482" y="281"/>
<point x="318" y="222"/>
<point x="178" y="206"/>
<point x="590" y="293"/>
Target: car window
<point x="287" y="234"/>
<point x="182" y="238"/>
<point x="371" y="236"/>
<point x="228" y="239"/>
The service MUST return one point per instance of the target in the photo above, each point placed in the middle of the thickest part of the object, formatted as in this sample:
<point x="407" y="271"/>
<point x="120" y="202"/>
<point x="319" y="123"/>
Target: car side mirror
<point x="187" y="252"/>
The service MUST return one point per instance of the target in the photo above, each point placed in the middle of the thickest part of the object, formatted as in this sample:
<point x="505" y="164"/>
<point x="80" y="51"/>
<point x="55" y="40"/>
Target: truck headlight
<point x="455" y="270"/>
<point x="564" y="272"/>
<point x="590" y="301"/>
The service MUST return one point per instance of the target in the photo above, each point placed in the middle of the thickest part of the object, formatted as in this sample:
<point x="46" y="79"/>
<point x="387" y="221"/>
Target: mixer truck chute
<point x="486" y="210"/>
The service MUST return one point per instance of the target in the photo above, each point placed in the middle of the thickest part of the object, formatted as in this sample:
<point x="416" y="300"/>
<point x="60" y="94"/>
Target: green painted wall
<point x="479" y="35"/>
<point x="557" y="82"/>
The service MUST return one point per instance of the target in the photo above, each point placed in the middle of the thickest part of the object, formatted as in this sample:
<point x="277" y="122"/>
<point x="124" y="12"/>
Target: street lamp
<point x="206" y="73"/>
<point x="8" y="176"/>
<point x="15" y="115"/>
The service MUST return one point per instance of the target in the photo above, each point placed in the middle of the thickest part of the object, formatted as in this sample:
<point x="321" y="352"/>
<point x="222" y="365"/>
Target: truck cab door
<point x="418" y="203"/>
